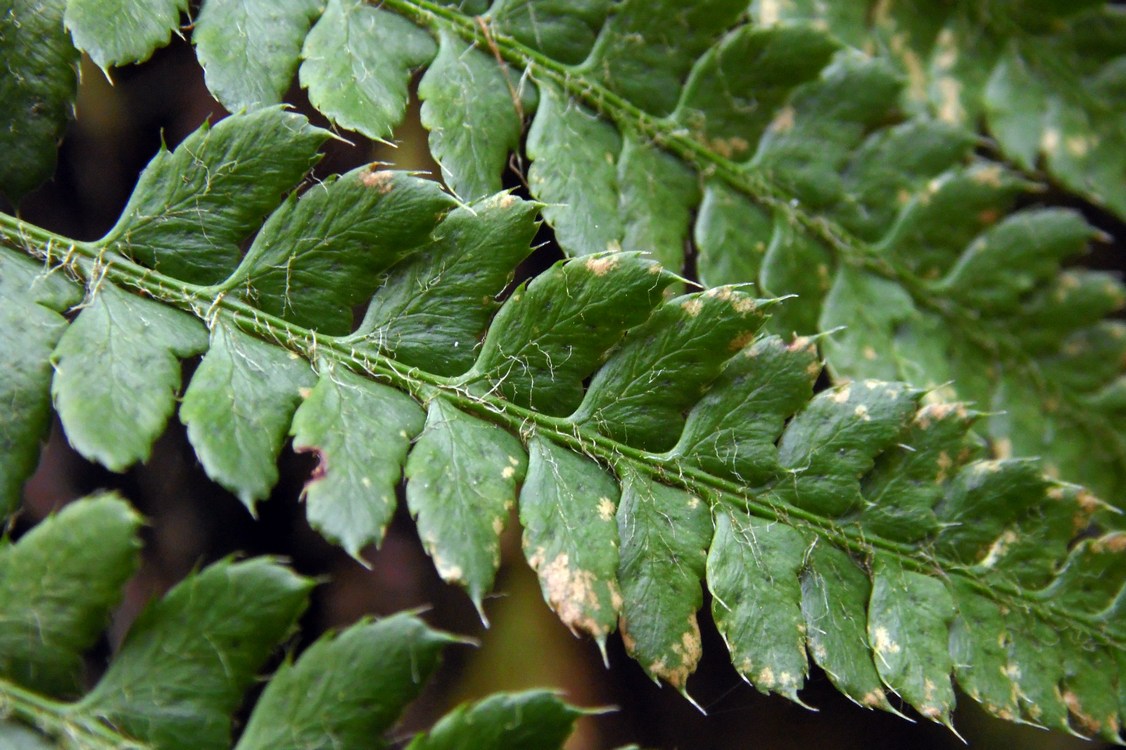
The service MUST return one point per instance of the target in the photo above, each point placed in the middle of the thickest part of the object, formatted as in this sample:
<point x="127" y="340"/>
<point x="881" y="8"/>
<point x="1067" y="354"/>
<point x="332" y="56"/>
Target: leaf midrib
<point x="91" y="262"/>
<point x="760" y="189"/>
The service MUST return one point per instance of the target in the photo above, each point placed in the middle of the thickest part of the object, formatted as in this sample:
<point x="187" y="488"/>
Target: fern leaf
<point x="889" y="550"/>
<point x="776" y="155"/>
<point x="249" y="49"/>
<point x="183" y="668"/>
<point x="453" y="280"/>
<point x="384" y="666"/>
<point x="361" y="432"/>
<point x="285" y="268"/>
<point x="463" y="475"/>
<point x="41" y="83"/>
<point x="238" y="410"/>
<point x="459" y="74"/>
<point x="362" y="87"/>
<point x="122" y="31"/>
<point x="567" y="507"/>
<point x="219" y="175"/>
<point x="58" y="586"/>
<point x="506" y="721"/>
<point x="117" y="373"/>
<point x="1043" y="79"/>
<point x="31" y="325"/>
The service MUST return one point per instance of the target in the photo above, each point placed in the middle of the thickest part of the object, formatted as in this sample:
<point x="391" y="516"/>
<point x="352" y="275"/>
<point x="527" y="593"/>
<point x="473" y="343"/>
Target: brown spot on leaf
<point x="380" y="179"/>
<point x="571" y="592"/>
<point x="600" y="266"/>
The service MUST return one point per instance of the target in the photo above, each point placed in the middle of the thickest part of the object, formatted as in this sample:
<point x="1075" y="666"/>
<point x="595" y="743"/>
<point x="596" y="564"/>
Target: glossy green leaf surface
<point x="58" y="585"/>
<point x="548" y="339"/>
<point x="664" y="537"/>
<point x="193" y="206"/>
<point x="116" y="32"/>
<point x="346" y="690"/>
<point x="343" y="421"/>
<point x="249" y="49"/>
<point x="319" y="255"/>
<point x="231" y="410"/>
<point x="462" y="477"/>
<point x="30" y="326"/>
<point x="470" y="136"/>
<point x="506" y="721"/>
<point x="568" y="507"/>
<point x="39" y="87"/>
<point x="357" y="61"/>
<point x="433" y="306"/>
<point x="182" y="670"/>
<point x="117" y="374"/>
<point x="655" y="444"/>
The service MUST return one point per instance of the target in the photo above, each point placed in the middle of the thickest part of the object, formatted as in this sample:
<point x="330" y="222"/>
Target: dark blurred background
<point x="193" y="522"/>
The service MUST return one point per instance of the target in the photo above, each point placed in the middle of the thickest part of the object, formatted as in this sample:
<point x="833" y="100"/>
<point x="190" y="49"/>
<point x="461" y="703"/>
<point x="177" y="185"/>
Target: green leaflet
<point x="834" y="440"/>
<point x="238" y="408"/>
<point x="1010" y="259"/>
<point x="753" y="570"/>
<point x="473" y="121"/>
<point x="664" y="365"/>
<point x="981" y="501"/>
<point x="658" y="192"/>
<point x="552" y="334"/>
<point x="664" y="539"/>
<point x="729" y="236"/>
<point x="979" y="645"/>
<point x="532" y="720"/>
<point x="909" y="619"/>
<point x="433" y="306"/>
<point x="346" y="690"/>
<point x="904" y="486"/>
<point x="737" y="86"/>
<point x="574" y="173"/>
<point x="462" y="477"/>
<point x="30" y="326"/>
<point x="1036" y="665"/>
<point x="360" y="432"/>
<point x="567" y="508"/>
<point x="1044" y="79"/>
<point x="58" y="585"/>
<point x="187" y="661"/>
<point x="645" y="49"/>
<point x="1090" y="691"/>
<point x="795" y="264"/>
<point x="39" y="88"/>
<point x="117" y="374"/>
<point x="357" y="63"/>
<point x="189" y="657"/>
<point x="192" y="207"/>
<point x="319" y="255"/>
<point x="115" y="32"/>
<point x="249" y="49"/>
<point x="834" y="602"/>
<point x="732" y="430"/>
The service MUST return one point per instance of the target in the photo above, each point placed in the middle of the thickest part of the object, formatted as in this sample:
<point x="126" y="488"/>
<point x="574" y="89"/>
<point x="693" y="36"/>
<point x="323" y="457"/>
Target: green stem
<point x="61" y="721"/>
<point x="90" y="263"/>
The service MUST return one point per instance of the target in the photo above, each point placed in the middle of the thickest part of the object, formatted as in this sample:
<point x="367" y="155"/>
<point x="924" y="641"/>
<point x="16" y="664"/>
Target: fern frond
<point x="183" y="669"/>
<point x="1045" y="79"/>
<point x="782" y="159"/>
<point x="651" y="443"/>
